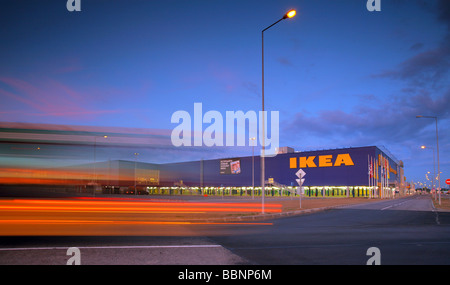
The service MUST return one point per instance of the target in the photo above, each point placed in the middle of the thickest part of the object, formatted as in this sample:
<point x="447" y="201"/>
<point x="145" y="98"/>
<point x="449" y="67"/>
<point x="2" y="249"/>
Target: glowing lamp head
<point x="423" y="147"/>
<point x="290" y="14"/>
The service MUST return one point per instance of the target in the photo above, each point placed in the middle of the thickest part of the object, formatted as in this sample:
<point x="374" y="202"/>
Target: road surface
<point x="405" y="231"/>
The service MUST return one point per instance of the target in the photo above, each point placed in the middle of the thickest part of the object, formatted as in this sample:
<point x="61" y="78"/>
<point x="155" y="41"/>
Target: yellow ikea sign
<point x="321" y="161"/>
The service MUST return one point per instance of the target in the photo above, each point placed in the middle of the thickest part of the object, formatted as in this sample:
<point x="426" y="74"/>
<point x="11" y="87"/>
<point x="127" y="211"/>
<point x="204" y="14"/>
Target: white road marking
<point x="113" y="247"/>
<point x="395" y="205"/>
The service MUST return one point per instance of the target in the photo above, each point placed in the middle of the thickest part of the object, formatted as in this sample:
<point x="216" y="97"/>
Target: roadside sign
<point x="300" y="181"/>
<point x="300" y="174"/>
<point x="447" y="181"/>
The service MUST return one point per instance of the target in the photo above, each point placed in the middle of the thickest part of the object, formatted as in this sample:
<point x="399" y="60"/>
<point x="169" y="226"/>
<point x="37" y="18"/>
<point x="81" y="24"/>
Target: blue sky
<point x="339" y="75"/>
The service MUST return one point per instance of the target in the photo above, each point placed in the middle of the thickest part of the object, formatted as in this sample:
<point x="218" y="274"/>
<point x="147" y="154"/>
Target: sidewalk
<point x="445" y="203"/>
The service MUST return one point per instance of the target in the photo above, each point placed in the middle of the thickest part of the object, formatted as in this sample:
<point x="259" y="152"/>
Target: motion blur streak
<point x="121" y="222"/>
<point x="102" y="216"/>
<point x="94" y="205"/>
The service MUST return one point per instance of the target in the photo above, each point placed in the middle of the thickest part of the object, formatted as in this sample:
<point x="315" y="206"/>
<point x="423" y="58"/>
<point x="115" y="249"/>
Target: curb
<point x="270" y="216"/>
<point x="261" y="217"/>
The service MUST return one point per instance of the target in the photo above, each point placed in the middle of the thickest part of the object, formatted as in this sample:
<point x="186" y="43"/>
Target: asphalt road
<point x="405" y="231"/>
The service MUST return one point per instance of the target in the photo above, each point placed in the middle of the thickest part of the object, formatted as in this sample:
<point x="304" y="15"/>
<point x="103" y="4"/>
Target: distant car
<point x="130" y="191"/>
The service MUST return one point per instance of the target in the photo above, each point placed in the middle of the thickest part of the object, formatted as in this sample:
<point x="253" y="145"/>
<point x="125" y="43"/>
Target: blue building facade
<point x="359" y="166"/>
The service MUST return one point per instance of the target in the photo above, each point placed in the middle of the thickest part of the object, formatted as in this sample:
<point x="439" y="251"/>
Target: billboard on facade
<point x="230" y="166"/>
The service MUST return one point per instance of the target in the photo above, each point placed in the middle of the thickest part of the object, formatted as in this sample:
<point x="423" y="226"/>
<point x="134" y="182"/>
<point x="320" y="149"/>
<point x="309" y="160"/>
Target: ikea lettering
<point x="321" y="161"/>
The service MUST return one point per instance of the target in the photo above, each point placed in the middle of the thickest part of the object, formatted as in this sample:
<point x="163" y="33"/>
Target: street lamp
<point x="95" y="170"/>
<point x="434" y="169"/>
<point x="253" y="166"/>
<point x="437" y="152"/>
<point x="289" y="14"/>
<point x="135" y="161"/>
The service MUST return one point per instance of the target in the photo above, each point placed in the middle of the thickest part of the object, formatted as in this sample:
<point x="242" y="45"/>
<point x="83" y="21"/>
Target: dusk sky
<point x="339" y="75"/>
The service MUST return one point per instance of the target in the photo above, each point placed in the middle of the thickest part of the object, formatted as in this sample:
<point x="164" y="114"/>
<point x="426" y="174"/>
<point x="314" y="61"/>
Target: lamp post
<point x="434" y="169"/>
<point x="289" y="14"/>
<point x="437" y="153"/>
<point x="253" y="166"/>
<point x="95" y="170"/>
<point x="432" y="185"/>
<point x="135" y="161"/>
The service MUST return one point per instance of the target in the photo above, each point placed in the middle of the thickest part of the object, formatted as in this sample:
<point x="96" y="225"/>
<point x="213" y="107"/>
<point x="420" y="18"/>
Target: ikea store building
<point x="358" y="172"/>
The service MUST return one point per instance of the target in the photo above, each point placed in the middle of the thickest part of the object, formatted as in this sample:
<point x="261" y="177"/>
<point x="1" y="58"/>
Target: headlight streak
<point x="135" y="206"/>
<point x="117" y="216"/>
<point x="126" y="222"/>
